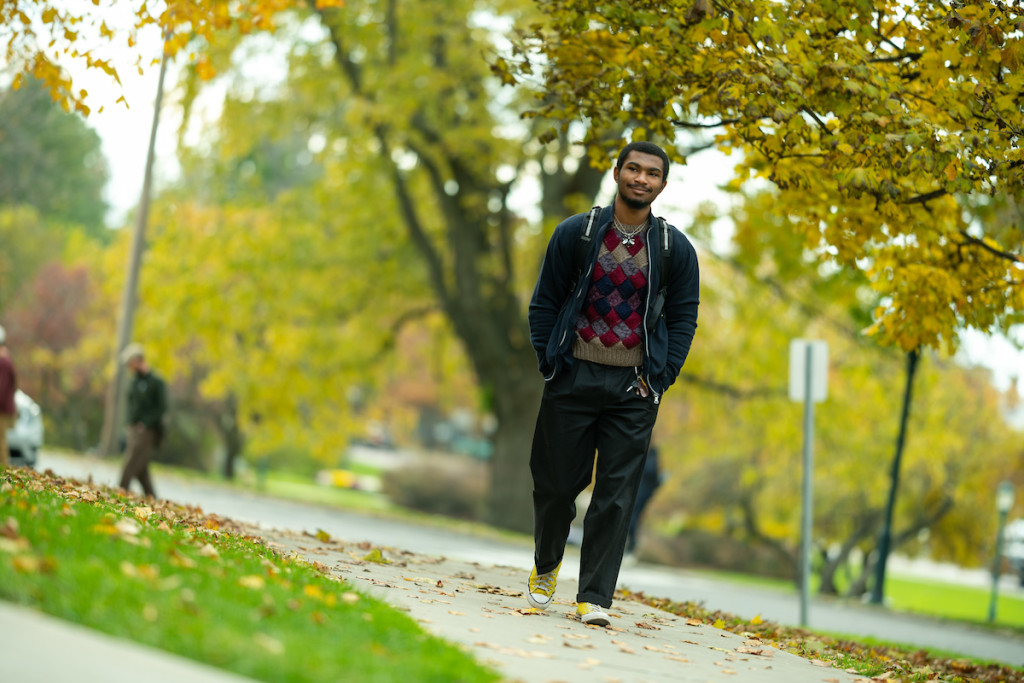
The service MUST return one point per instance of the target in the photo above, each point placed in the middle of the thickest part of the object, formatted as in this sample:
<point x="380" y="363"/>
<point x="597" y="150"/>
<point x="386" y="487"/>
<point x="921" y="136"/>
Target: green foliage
<point x="881" y="126"/>
<point x="50" y="160"/>
<point x="162" y="575"/>
<point x="732" y="439"/>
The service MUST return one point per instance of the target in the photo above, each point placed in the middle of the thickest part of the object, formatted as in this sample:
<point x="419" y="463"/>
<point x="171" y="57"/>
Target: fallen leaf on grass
<point x="14" y="546"/>
<point x="271" y="645"/>
<point x="209" y="551"/>
<point x="10" y="529"/>
<point x="252" y="581"/>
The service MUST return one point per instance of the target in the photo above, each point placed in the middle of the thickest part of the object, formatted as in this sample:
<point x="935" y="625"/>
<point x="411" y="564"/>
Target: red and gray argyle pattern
<point x="612" y="312"/>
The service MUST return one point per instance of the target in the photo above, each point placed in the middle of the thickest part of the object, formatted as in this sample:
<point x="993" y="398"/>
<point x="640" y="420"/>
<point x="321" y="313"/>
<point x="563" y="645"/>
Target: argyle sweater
<point x="609" y="329"/>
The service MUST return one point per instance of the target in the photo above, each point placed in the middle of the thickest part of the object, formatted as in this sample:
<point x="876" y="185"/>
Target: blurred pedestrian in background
<point x="8" y="409"/>
<point x="147" y="405"/>
<point x="650" y="480"/>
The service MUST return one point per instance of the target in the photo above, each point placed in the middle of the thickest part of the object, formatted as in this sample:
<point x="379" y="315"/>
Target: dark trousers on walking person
<point x="586" y="409"/>
<point x="141" y="442"/>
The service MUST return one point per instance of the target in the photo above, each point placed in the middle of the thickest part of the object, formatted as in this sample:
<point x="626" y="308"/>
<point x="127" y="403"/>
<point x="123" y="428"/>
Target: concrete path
<point x="38" y="648"/>
<point x="745" y="601"/>
<point x="482" y="608"/>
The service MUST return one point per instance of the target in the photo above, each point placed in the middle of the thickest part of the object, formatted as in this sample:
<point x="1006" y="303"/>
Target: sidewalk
<point x="38" y="648"/>
<point x="482" y="608"/>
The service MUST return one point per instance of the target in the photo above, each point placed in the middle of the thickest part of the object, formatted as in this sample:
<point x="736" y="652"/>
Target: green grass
<point x="919" y="596"/>
<point x="951" y="601"/>
<point x="161" y="575"/>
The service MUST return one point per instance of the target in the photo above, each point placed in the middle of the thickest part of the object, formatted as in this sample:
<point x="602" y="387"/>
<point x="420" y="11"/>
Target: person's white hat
<point x="133" y="350"/>
<point x="3" y="335"/>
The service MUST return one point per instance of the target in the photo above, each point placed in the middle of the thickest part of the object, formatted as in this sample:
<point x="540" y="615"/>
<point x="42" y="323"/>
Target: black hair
<point x="644" y="147"/>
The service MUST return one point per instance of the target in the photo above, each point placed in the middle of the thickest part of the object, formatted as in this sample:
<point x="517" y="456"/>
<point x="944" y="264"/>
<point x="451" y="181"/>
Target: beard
<point x="634" y="203"/>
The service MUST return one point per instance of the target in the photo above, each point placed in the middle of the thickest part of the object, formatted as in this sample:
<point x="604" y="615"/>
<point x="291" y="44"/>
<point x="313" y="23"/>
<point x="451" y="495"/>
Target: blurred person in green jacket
<point x="147" y="405"/>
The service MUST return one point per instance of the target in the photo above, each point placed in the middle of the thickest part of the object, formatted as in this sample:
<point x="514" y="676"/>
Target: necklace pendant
<point x="628" y="241"/>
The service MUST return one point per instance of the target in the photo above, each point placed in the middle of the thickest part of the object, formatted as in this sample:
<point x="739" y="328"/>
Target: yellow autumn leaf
<point x="252" y="581"/>
<point x="375" y="555"/>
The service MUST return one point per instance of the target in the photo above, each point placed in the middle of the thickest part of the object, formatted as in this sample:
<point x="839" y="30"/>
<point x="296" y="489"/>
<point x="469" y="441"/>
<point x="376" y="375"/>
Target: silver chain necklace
<point x="628" y="233"/>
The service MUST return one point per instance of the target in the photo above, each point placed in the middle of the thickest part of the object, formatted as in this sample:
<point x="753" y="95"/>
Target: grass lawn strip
<point x="879" y="661"/>
<point x="171" y="577"/>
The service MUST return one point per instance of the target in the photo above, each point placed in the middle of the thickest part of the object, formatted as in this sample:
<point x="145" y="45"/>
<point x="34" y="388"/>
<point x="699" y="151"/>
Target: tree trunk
<point x="511" y="493"/>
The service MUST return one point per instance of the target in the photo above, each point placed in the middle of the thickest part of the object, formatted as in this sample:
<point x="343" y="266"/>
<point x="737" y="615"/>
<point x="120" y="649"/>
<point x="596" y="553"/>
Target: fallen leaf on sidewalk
<point x="694" y="622"/>
<point x="754" y="651"/>
<point x="576" y="636"/>
<point x="588" y="663"/>
<point x="623" y="647"/>
<point x="644" y="624"/>
<point x="376" y="556"/>
<point x="458" y="614"/>
<point x="526" y="611"/>
<point x="677" y="658"/>
<point x="496" y="590"/>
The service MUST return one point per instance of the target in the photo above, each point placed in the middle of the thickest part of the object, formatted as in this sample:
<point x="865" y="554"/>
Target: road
<point x="824" y="614"/>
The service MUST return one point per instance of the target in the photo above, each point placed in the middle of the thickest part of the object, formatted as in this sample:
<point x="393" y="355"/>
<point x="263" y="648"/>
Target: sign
<point x="799" y="367"/>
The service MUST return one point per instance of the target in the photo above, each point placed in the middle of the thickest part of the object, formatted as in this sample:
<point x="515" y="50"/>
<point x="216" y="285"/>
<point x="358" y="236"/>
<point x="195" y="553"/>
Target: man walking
<point x="8" y="408"/>
<point x="147" y="403"/>
<point x="612" y="318"/>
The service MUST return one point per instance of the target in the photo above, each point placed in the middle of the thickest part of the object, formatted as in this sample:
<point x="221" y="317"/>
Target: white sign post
<point x="808" y="375"/>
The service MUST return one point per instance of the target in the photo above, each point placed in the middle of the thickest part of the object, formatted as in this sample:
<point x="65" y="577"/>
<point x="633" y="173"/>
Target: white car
<point x="25" y="438"/>
<point x="1013" y="547"/>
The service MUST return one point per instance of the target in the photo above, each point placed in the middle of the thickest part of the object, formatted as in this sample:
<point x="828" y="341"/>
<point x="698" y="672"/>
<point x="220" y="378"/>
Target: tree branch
<point x="989" y="248"/>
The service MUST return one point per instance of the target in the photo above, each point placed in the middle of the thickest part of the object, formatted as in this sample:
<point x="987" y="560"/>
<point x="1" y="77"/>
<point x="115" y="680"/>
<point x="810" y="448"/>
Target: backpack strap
<point x="664" y="254"/>
<point x="583" y="243"/>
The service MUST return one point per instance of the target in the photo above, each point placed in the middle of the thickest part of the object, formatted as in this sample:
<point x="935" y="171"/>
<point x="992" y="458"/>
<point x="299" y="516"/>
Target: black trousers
<point x="587" y="409"/>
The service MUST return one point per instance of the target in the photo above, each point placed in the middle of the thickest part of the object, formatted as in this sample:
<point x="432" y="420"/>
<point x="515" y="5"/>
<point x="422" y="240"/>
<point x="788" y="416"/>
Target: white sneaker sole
<point x="534" y="602"/>
<point x="596" y="620"/>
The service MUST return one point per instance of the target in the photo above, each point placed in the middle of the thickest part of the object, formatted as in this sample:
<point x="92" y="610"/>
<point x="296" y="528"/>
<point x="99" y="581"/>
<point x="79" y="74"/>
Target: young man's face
<point x="641" y="179"/>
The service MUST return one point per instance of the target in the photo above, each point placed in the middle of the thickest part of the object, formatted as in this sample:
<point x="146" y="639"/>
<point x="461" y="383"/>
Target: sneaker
<point x="589" y="613"/>
<point x="542" y="587"/>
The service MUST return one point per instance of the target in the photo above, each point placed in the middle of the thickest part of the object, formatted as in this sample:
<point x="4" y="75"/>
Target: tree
<point x="40" y="36"/>
<point x="413" y="208"/>
<point x="731" y="440"/>
<point x="881" y="125"/>
<point x="51" y="160"/>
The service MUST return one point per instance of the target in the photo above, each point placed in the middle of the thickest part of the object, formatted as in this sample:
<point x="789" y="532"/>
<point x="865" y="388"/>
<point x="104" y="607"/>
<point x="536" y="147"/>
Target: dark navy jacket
<point x="555" y="304"/>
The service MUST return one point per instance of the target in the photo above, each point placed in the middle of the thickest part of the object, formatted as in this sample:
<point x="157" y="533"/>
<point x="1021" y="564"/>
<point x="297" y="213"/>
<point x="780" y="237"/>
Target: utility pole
<point x="886" y="538"/>
<point x="126" y="319"/>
